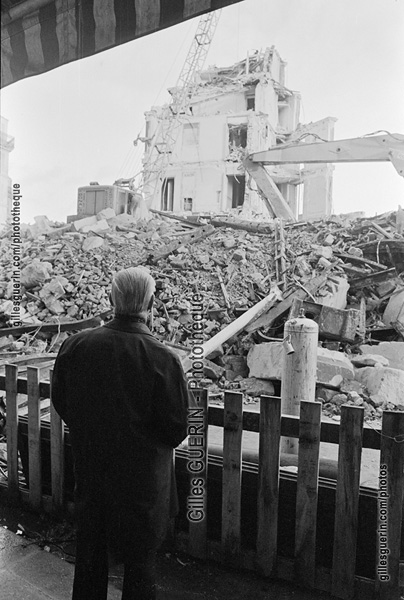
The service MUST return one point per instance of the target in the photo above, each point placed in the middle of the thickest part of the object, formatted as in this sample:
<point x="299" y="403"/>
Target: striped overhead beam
<point x="40" y="35"/>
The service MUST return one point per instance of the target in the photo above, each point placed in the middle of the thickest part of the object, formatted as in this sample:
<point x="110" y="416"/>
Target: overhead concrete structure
<point x="6" y="146"/>
<point x="233" y="112"/>
<point x="40" y="35"/>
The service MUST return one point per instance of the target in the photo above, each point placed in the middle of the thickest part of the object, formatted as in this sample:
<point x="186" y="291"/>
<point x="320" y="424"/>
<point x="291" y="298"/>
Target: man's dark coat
<point x="124" y="397"/>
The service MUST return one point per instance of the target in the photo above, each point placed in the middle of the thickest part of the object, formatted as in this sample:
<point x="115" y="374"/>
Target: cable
<point x="383" y="131"/>
<point x="395" y="438"/>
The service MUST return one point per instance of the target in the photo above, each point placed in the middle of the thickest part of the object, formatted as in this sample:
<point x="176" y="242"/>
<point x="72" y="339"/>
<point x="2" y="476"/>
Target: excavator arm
<point x="364" y="149"/>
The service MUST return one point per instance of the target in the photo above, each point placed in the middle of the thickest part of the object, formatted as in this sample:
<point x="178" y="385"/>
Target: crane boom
<point x="363" y="149"/>
<point x="165" y="137"/>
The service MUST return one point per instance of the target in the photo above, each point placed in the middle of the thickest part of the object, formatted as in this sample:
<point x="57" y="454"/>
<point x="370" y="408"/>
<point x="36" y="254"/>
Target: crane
<point x="163" y="142"/>
<point x="124" y="195"/>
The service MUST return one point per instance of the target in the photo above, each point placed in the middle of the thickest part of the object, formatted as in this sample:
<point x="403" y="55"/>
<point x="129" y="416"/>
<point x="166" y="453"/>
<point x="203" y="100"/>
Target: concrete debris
<point x="395" y="308"/>
<point x="99" y="226"/>
<point x="91" y="243"/>
<point x="334" y="294"/>
<point x="393" y="352"/>
<point x="106" y="213"/>
<point x="383" y="384"/>
<point x="265" y="361"/>
<point x="35" y="273"/>
<point x="255" y="387"/>
<point x="331" y="364"/>
<point x="345" y="268"/>
<point x="212" y="370"/>
<point x="369" y="360"/>
<point x="334" y="324"/>
<point x="80" y="223"/>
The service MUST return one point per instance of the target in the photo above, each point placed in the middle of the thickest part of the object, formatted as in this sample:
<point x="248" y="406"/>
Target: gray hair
<point x="132" y="290"/>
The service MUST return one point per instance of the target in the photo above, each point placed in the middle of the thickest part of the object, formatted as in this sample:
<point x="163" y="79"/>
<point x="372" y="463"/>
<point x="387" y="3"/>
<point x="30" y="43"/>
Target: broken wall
<point x="223" y="101"/>
<point x="233" y="112"/>
<point x="203" y="184"/>
<point x="317" y="195"/>
<point x="266" y="101"/>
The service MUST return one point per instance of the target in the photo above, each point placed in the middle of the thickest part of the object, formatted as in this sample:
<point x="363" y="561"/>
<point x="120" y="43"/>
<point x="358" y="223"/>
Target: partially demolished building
<point x="232" y="112"/>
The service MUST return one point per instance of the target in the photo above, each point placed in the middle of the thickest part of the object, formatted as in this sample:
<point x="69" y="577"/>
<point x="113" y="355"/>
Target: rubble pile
<point x="343" y="264"/>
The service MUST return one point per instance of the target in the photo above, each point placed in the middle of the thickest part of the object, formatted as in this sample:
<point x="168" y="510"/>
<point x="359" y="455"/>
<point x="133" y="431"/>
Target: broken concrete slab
<point x="53" y="305"/>
<point x="254" y="387"/>
<point x="392" y="351"/>
<point x="36" y="273"/>
<point x="92" y="242"/>
<point x="236" y="363"/>
<point x="212" y="370"/>
<point x="369" y="360"/>
<point x="80" y="223"/>
<point x="322" y="251"/>
<point x="229" y="242"/>
<point x="395" y="308"/>
<point x="383" y="384"/>
<point x="265" y="361"/>
<point x="106" y="213"/>
<point x="98" y="227"/>
<point x="55" y="288"/>
<point x="335" y="293"/>
<point x="42" y="225"/>
<point x="239" y="255"/>
<point x="331" y="364"/>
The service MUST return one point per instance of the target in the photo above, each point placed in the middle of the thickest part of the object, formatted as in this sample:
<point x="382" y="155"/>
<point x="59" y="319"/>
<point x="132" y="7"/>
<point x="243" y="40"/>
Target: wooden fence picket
<point x="268" y="484"/>
<point x="231" y="484"/>
<point x="390" y="506"/>
<point x="34" y="438"/>
<point x="347" y="502"/>
<point x="198" y="503"/>
<point x="57" y="435"/>
<point x="12" y="430"/>
<point x="307" y="492"/>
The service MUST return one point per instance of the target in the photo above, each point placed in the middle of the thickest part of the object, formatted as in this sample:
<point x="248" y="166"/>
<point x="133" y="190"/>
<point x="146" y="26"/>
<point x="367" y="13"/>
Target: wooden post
<point x="235" y="326"/>
<point x="347" y="502"/>
<point x="197" y="499"/>
<point x="231" y="485"/>
<point x="268" y="484"/>
<point x="57" y="432"/>
<point x="34" y="438"/>
<point x="12" y="431"/>
<point x="299" y="372"/>
<point x="273" y="199"/>
<point x="307" y="492"/>
<point x="280" y="260"/>
<point x="390" y="506"/>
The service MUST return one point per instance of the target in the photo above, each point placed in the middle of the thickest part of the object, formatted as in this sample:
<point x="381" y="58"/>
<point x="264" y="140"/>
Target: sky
<point x="77" y="124"/>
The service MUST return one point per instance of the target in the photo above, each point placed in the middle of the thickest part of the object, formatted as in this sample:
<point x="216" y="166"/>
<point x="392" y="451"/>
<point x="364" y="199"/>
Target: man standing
<point x="124" y="397"/>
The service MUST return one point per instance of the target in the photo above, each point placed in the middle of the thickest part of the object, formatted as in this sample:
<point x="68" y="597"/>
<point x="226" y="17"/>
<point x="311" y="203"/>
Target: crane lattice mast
<point x="165" y="137"/>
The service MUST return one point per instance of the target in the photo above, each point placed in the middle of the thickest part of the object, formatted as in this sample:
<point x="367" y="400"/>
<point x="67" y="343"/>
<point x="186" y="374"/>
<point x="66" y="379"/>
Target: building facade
<point x="232" y="112"/>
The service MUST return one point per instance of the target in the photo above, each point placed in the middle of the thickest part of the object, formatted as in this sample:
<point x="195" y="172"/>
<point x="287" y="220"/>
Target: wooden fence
<point x="341" y="580"/>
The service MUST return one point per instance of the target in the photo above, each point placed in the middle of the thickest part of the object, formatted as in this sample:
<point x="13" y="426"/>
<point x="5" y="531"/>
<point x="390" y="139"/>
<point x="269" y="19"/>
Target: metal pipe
<point x="299" y="370"/>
